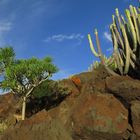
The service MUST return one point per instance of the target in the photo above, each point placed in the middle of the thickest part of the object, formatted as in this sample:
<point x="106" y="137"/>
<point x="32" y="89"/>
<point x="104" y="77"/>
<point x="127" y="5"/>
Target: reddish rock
<point x="36" y="119"/>
<point x="68" y="84"/>
<point x="7" y="105"/>
<point x="135" y="114"/>
<point x="99" y="113"/>
<point x="89" y="77"/>
<point x="76" y="80"/>
<point x="91" y="116"/>
<point x="91" y="112"/>
<point x="124" y="87"/>
<point x="52" y="130"/>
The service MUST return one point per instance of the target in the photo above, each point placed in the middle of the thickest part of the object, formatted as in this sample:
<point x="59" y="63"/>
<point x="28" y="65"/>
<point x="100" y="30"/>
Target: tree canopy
<point x="7" y="57"/>
<point x="26" y="74"/>
<point x="22" y="76"/>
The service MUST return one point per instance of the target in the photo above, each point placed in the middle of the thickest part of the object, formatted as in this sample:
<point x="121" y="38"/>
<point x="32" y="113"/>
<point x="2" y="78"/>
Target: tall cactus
<point x="99" y="53"/>
<point x="126" y="36"/>
<point x="125" y="33"/>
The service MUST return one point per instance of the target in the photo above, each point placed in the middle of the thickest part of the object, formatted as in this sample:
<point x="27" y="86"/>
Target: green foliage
<point x="24" y="74"/>
<point x="49" y="88"/>
<point x="7" y="57"/>
<point x="3" y="126"/>
<point x="109" y="62"/>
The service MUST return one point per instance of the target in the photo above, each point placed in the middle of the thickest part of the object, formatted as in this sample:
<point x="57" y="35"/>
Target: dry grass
<point x="3" y="126"/>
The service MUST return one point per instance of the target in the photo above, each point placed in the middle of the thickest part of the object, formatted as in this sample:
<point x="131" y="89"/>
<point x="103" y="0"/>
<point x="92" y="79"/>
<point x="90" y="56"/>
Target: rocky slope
<point x="100" y="107"/>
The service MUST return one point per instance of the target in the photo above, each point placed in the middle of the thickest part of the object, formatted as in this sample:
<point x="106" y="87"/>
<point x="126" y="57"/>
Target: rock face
<point x="8" y="106"/>
<point x="135" y="113"/>
<point x="101" y="113"/>
<point x="52" y="130"/>
<point x="101" y="107"/>
<point x="89" y="114"/>
<point x="7" y="103"/>
<point x="124" y="87"/>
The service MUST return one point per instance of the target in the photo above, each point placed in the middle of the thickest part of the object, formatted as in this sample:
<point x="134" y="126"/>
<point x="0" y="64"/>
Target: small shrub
<point x="46" y="96"/>
<point x="49" y="88"/>
<point x="3" y="126"/>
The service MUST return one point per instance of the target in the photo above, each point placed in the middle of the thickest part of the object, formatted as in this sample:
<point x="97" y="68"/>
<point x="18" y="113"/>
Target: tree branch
<point x="36" y="85"/>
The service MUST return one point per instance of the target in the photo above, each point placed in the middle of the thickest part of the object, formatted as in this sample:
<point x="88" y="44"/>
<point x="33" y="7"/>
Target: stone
<point x="135" y="116"/>
<point x="99" y="113"/>
<point x="123" y="87"/>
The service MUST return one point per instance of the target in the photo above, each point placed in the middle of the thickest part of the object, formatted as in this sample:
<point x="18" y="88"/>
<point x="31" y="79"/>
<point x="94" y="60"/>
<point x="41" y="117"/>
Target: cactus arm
<point x="111" y="71"/>
<point x="110" y="61"/>
<point x="132" y="64"/>
<point x="122" y="17"/>
<point x="118" y="36"/>
<point x="127" y="51"/>
<point x="116" y="54"/>
<point x="121" y="61"/>
<point x="132" y="29"/>
<point x="92" y="47"/>
<point x="137" y="12"/>
<point x="131" y="61"/>
<point x="118" y="17"/>
<point x="99" y="48"/>
<point x="134" y="16"/>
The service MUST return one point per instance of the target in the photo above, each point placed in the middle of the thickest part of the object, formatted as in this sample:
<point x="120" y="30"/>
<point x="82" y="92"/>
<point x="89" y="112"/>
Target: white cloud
<point x="5" y="26"/>
<point x="107" y="36"/>
<point x="63" y="37"/>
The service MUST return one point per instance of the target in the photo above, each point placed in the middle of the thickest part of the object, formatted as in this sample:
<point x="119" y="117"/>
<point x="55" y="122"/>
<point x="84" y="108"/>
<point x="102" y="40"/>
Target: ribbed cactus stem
<point x="135" y="11"/>
<point x="127" y="50"/>
<point x="121" y="60"/>
<point x="132" y="64"/>
<point x="118" y="17"/>
<point x="99" y="48"/>
<point x="134" y="16"/>
<point x="92" y="47"/>
<point x="110" y="60"/>
<point x="99" y="54"/>
<point x="132" y="29"/>
<point x="113" y="19"/>
<point x="116" y="53"/>
<point x="119" y="38"/>
<point x="122" y="17"/>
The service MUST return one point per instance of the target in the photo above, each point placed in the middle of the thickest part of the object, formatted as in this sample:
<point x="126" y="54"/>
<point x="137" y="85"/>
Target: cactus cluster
<point x="126" y="40"/>
<point x="93" y="66"/>
<point x="109" y="62"/>
<point x="125" y="33"/>
<point x="100" y="54"/>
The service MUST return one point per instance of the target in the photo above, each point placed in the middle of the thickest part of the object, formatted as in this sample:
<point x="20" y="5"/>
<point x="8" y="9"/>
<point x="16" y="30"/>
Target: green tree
<point x="7" y="57"/>
<point x="23" y="76"/>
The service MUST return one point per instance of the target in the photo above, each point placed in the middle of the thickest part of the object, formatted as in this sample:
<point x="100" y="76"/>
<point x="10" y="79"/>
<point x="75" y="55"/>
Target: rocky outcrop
<point x="135" y="114"/>
<point x="99" y="113"/>
<point x="101" y="107"/>
<point x="52" y="130"/>
<point x="88" y="114"/>
<point x="7" y="105"/>
<point x="124" y="87"/>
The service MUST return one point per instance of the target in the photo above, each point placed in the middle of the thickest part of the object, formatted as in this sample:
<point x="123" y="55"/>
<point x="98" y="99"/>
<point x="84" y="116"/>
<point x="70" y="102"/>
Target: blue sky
<point x="58" y="28"/>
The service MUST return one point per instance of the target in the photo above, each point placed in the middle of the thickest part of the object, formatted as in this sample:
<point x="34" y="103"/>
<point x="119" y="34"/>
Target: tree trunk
<point x="23" y="108"/>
